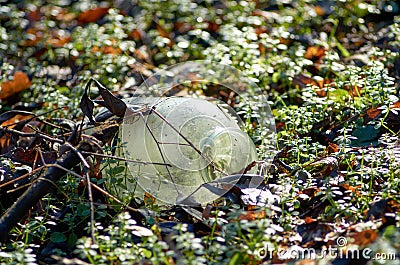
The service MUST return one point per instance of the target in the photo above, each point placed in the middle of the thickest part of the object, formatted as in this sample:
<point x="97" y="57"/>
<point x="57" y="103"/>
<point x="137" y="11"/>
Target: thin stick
<point x="93" y="185"/>
<point x="21" y="177"/>
<point x="89" y="186"/>
<point x="36" y="134"/>
<point x="125" y="159"/>
<point x="159" y="150"/>
<point x="113" y="197"/>
<point x="190" y="143"/>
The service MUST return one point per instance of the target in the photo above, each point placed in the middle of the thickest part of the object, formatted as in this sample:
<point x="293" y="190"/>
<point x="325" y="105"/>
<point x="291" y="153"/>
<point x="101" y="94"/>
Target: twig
<point x="159" y="149"/>
<point x="90" y="195"/>
<point x="125" y="159"/>
<point x="210" y="162"/>
<point x="35" y="134"/>
<point x="113" y="197"/>
<point x="89" y="187"/>
<point x="41" y="187"/>
<point x="21" y="177"/>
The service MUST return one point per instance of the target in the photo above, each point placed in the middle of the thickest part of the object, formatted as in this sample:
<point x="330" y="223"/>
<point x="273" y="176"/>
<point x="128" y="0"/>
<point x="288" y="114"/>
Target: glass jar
<point x="180" y="144"/>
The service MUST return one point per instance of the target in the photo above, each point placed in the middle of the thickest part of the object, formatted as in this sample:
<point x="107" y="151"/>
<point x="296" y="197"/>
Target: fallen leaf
<point x="364" y="238"/>
<point x="302" y="81"/>
<point x="325" y="166"/>
<point x="309" y="220"/>
<point x="182" y="27"/>
<point x="252" y="215"/>
<point x="212" y="26"/>
<point x="355" y="190"/>
<point x="384" y="209"/>
<point x="34" y="15"/>
<point x="87" y="107"/>
<point x="92" y="15"/>
<point x="164" y="33"/>
<point x="332" y="148"/>
<point x="32" y="37"/>
<point x="21" y="82"/>
<point x="30" y="156"/>
<point x="148" y="199"/>
<point x="315" y="53"/>
<point x="107" y="50"/>
<point x="57" y="41"/>
<point x="61" y="14"/>
<point x="319" y="10"/>
<point x="10" y="119"/>
<point x="311" y="192"/>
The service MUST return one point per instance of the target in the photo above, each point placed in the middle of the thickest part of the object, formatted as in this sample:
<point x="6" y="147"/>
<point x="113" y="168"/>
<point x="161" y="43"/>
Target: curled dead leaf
<point x="315" y="53"/>
<point x="364" y="238"/>
<point x="21" y="82"/>
<point x="92" y="15"/>
<point x="252" y="215"/>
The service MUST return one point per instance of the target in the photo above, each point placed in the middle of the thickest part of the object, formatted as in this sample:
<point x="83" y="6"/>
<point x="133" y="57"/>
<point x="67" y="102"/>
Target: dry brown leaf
<point x="33" y="36"/>
<point x="252" y="215"/>
<point x="355" y="189"/>
<point x="182" y="27"/>
<point x="30" y="156"/>
<point x="364" y="238"/>
<point x="164" y="33"/>
<point x="148" y="199"/>
<point x="302" y="81"/>
<point x="34" y="15"/>
<point x="107" y="50"/>
<point x="375" y="112"/>
<point x="332" y="148"/>
<point x="58" y="40"/>
<point x="92" y="15"/>
<point x="21" y="82"/>
<point x="319" y="10"/>
<point x="315" y="53"/>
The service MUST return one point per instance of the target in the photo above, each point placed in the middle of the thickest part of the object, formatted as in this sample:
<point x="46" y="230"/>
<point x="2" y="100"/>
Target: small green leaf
<point x="57" y="237"/>
<point x="83" y="210"/>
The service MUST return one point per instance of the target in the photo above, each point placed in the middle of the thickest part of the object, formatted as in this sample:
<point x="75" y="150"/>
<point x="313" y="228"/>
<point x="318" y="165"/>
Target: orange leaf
<point x="252" y="215"/>
<point x="107" y="50"/>
<point x="332" y="148"/>
<point x="319" y="10"/>
<point x="373" y="113"/>
<point x="8" y="88"/>
<point x="148" y="199"/>
<point x="365" y="237"/>
<point x="355" y="190"/>
<point x="309" y="220"/>
<point x="34" y="15"/>
<point x="137" y="34"/>
<point x="395" y="105"/>
<point x="10" y="123"/>
<point x="33" y="36"/>
<point x="92" y="15"/>
<point x="58" y="41"/>
<point x="302" y="81"/>
<point x="164" y="33"/>
<point x="315" y="53"/>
